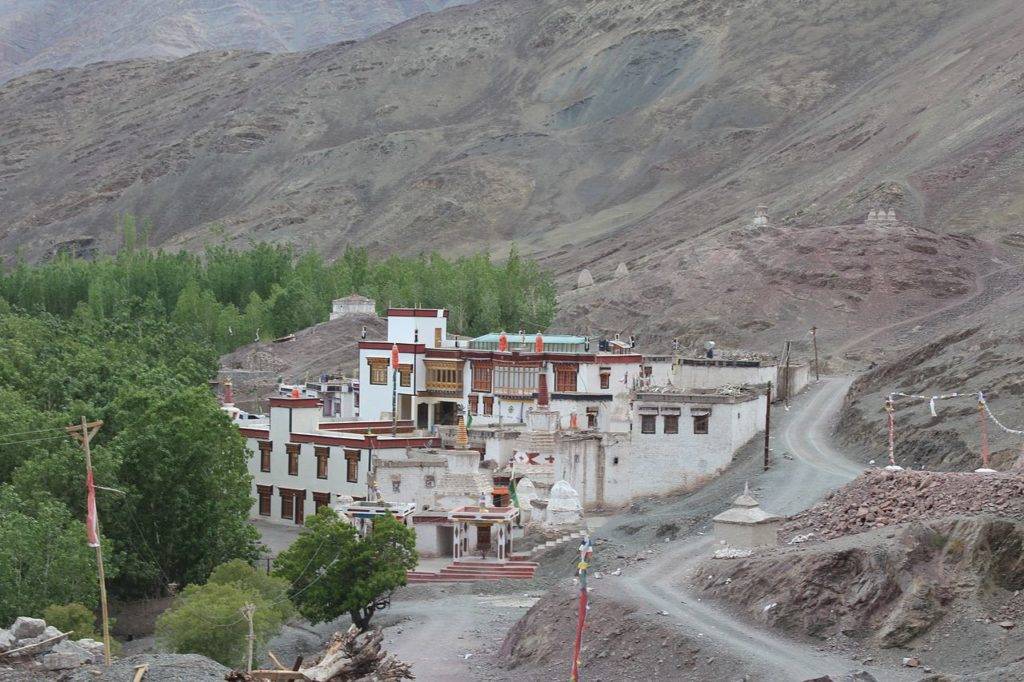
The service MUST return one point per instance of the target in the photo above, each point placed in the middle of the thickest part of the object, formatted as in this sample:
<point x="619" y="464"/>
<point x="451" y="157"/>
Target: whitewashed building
<point x="300" y="462"/>
<point x="353" y="305"/>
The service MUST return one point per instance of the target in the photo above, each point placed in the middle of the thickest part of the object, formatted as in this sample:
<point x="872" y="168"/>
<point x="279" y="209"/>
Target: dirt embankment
<point x="947" y="590"/>
<point x="985" y="354"/>
<point x="620" y="643"/>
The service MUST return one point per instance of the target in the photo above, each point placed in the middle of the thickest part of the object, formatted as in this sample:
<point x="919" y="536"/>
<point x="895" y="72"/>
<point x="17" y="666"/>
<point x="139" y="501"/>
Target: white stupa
<point x="585" y="279"/>
<point x="622" y="270"/>
<point x="564" y="508"/>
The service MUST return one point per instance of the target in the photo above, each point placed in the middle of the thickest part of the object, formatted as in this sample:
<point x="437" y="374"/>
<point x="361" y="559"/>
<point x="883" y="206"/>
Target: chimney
<point x="229" y="393"/>
<point x="543" y="398"/>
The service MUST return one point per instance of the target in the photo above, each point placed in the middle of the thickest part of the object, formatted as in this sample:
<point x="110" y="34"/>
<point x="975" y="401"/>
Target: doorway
<point x="445" y="413"/>
<point x="300" y="509"/>
<point x="405" y="406"/>
<point x="422" y="415"/>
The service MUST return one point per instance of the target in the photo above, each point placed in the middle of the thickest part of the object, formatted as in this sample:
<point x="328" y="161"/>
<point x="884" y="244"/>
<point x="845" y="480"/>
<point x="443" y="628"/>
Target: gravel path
<point x="791" y="485"/>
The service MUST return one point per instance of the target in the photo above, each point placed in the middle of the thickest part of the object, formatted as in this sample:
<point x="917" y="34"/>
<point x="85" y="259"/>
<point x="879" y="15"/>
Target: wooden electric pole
<point x="789" y="384"/>
<point x="814" y="340"/>
<point x="84" y="434"/>
<point x="767" y="426"/>
<point x="248" y="611"/>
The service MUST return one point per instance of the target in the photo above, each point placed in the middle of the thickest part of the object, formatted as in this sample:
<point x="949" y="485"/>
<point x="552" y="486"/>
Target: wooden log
<point x="33" y="649"/>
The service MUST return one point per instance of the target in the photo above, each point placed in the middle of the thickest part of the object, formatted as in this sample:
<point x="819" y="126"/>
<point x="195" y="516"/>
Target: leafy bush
<point x="73" y="617"/>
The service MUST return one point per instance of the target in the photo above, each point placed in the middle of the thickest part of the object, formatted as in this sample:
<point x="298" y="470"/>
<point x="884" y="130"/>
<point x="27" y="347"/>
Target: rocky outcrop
<point x="880" y="498"/>
<point x="32" y="645"/>
<point x="882" y="588"/>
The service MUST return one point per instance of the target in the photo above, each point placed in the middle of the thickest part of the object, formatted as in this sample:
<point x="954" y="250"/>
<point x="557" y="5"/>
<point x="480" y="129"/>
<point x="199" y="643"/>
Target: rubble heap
<point x="350" y="656"/>
<point x="880" y="498"/>
<point x="31" y="644"/>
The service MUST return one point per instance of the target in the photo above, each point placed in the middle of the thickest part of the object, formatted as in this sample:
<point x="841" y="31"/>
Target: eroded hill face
<point x="52" y="34"/>
<point x="586" y="131"/>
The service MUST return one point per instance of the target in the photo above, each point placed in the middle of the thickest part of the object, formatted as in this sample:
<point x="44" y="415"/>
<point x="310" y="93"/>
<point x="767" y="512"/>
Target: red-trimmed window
<point x="482" y="373"/>
<point x="474" y="403"/>
<point x="265" y="447"/>
<point x="322" y="454"/>
<point x="287" y="504"/>
<point x="648" y="423"/>
<point x="606" y="377"/>
<point x="488" y="405"/>
<point x="565" y="378"/>
<point x="293" y="458"/>
<point x="320" y="500"/>
<point x="671" y="423"/>
<point x="264" y="492"/>
<point x="352" y="466"/>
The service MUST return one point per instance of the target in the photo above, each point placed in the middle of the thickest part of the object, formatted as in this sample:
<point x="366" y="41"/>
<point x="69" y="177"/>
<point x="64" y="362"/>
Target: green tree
<point x="183" y="467"/>
<point x="207" y="619"/>
<point x="333" y="571"/>
<point x="44" y="558"/>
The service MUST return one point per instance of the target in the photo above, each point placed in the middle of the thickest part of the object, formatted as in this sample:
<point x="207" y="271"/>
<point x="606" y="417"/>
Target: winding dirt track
<point x="791" y="485"/>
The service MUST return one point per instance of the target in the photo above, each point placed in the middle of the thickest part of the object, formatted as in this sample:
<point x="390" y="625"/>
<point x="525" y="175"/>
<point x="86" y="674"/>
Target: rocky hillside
<point x="330" y="347"/>
<point x="53" y="34"/>
<point x="983" y="352"/>
<point x="946" y="592"/>
<point x="590" y="131"/>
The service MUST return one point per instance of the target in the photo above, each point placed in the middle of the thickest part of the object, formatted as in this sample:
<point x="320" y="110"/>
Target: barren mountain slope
<point x="588" y="131"/>
<point x="985" y="354"/>
<point x="53" y="34"/>
<point x="758" y="287"/>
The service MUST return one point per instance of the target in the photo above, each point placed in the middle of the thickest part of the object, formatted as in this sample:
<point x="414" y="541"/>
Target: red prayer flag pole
<point x="92" y="529"/>
<point x="586" y="551"/>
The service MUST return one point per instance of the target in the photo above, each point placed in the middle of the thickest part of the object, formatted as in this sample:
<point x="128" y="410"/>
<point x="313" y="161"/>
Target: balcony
<point x="444" y="378"/>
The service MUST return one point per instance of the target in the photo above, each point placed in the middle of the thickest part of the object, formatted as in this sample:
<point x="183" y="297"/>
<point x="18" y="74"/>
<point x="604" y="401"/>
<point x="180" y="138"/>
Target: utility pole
<point x="767" y="426"/>
<point x="789" y="384"/>
<point x="814" y="340"/>
<point x="394" y="389"/>
<point x="248" y="611"/>
<point x="84" y="434"/>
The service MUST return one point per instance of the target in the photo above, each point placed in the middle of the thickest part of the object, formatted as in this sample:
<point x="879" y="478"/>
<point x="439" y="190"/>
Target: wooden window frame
<point x="352" y="465"/>
<point x="265" y="493"/>
<point x="293" y="450"/>
<point x="396" y="485"/>
<point x="565" y="378"/>
<point x="483" y="376"/>
<point x="323" y="454"/>
<point x="701" y="424"/>
<point x="378" y="371"/>
<point x="592" y="413"/>
<point x="321" y="500"/>
<point x="405" y="375"/>
<point x="429" y="481"/>
<point x="437" y="337"/>
<point x="606" y="379"/>
<point x="266" y="448"/>
<point x="474" y="403"/>
<point x="488" y="405"/>
<point x="648" y="423"/>
<point x="671" y="425"/>
<point x="287" y="505"/>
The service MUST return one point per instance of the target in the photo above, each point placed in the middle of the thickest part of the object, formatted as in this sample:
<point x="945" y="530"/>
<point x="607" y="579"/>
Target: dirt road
<point x="791" y="485"/>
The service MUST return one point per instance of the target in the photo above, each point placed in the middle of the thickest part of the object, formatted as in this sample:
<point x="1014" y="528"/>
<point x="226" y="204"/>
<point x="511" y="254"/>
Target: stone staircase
<point x="527" y="556"/>
<point x="471" y="571"/>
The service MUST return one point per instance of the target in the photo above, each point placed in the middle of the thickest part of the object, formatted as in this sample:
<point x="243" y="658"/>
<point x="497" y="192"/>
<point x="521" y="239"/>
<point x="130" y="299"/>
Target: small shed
<point x="746" y="525"/>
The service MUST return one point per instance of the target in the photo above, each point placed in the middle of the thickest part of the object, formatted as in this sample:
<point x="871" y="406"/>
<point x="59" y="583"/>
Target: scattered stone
<point x="911" y="662"/>
<point x="6" y="640"/>
<point x="1007" y="624"/>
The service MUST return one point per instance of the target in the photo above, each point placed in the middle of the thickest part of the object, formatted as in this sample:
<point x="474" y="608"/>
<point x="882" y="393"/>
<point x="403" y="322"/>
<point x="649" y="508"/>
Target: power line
<point x="32" y="440"/>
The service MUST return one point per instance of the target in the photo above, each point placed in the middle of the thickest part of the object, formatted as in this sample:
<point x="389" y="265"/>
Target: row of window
<point x="322" y="454"/>
<point x="508" y="379"/>
<point x="649" y="423"/>
<point x="429" y="481"/>
<point x="475" y="403"/>
<point x="293" y="502"/>
<point x="379" y="368"/>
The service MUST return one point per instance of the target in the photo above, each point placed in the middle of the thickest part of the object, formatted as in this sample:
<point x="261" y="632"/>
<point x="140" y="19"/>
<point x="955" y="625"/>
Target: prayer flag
<point x="92" y="528"/>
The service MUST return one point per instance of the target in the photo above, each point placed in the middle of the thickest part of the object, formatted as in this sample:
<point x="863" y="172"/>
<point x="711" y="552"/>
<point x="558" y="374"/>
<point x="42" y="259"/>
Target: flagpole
<point x="88" y="430"/>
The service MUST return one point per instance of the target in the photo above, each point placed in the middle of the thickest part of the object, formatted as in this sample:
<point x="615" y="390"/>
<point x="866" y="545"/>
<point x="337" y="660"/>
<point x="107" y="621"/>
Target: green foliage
<point x="333" y="572"/>
<point x="73" y="617"/>
<point x="273" y="589"/>
<point x="183" y="465"/>
<point x="224" y="296"/>
<point x="207" y="619"/>
<point x="144" y="380"/>
<point x="43" y="557"/>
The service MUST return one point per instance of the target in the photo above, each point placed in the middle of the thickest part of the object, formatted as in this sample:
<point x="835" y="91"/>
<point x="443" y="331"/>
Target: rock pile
<point x="32" y="644"/>
<point x="882" y="498"/>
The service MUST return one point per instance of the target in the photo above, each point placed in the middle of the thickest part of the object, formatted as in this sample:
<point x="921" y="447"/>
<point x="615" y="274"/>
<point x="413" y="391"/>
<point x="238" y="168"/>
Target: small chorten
<point x="585" y="279"/>
<point x="745" y="524"/>
<point x="622" y="270"/>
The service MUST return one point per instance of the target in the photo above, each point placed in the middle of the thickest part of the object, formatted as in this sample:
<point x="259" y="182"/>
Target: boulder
<point x="65" y="655"/>
<point x="94" y="648"/>
<point x="6" y="640"/>
<point x="27" y="628"/>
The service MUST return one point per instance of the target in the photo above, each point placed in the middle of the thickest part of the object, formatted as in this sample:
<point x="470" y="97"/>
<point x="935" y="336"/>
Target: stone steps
<point x="470" y="571"/>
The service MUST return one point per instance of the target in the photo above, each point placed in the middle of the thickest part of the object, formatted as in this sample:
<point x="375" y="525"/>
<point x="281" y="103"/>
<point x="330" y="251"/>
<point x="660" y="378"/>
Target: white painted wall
<point x="403" y="329"/>
<point x="698" y="376"/>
